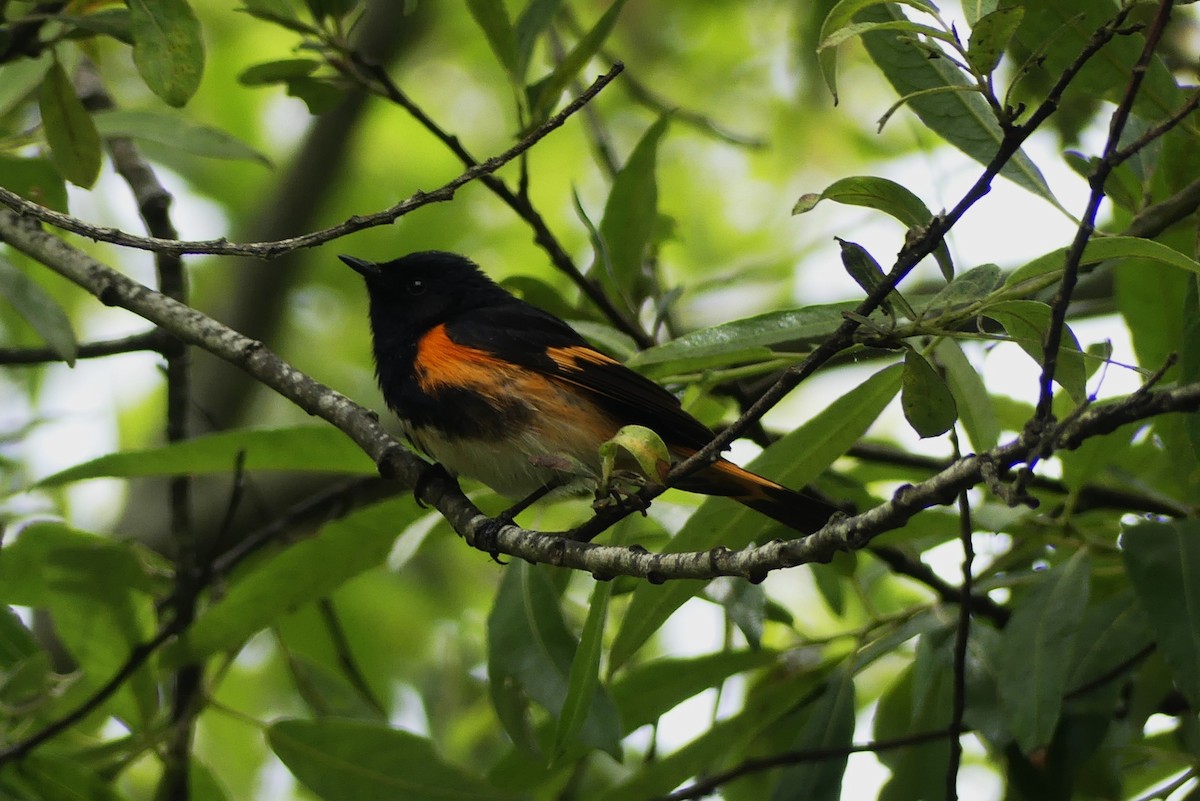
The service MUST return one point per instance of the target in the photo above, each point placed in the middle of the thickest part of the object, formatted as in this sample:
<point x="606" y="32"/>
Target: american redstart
<point x="498" y="390"/>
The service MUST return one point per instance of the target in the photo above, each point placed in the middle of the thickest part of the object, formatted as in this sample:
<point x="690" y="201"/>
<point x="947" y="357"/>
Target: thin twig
<point x="1087" y="224"/>
<point x="705" y="786"/>
<point x="149" y="341"/>
<point x="345" y="656"/>
<point x="517" y="201"/>
<point x="270" y="250"/>
<point x="962" y="636"/>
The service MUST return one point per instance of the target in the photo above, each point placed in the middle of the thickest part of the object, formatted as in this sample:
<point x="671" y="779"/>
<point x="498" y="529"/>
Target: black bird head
<point x="420" y="290"/>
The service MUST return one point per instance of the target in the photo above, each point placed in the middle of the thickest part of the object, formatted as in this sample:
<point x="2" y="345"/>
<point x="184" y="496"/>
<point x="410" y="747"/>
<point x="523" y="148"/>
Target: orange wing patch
<point x="569" y="358"/>
<point x="442" y="362"/>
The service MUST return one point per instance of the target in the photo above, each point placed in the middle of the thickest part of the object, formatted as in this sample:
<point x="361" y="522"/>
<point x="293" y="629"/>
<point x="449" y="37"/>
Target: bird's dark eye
<point x="416" y="287"/>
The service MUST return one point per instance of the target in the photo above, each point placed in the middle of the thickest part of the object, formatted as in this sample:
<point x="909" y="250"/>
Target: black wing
<point x="526" y="335"/>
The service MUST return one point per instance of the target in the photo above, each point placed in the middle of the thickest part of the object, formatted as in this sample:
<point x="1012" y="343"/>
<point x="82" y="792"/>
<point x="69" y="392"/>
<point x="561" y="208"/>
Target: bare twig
<point x="377" y="77"/>
<point x="1087" y="225"/>
<point x="149" y="341"/>
<point x="269" y="250"/>
<point x="705" y="786"/>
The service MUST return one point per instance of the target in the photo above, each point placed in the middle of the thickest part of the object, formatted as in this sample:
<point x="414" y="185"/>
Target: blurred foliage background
<point x="349" y="666"/>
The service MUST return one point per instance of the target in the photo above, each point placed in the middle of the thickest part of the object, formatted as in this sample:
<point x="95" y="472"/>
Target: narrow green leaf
<point x="970" y="287"/>
<point x="1189" y="355"/>
<point x="544" y="94"/>
<point x="795" y="460"/>
<point x="533" y="21"/>
<point x="1111" y="632"/>
<point x="711" y="749"/>
<point x="279" y="12"/>
<point x="883" y="195"/>
<point x="840" y="16"/>
<point x="585" y="671"/>
<point x="335" y="9"/>
<point x="318" y="448"/>
<point x="990" y="36"/>
<point x="175" y="132"/>
<point x="1036" y="650"/>
<point x="971" y="396"/>
<point x="630" y="220"/>
<point x="492" y="18"/>
<point x="351" y="760"/>
<point x="1027" y="322"/>
<point x="277" y="71"/>
<point x="1103" y="249"/>
<point x="651" y="689"/>
<point x="862" y="267"/>
<point x="928" y="405"/>
<point x="976" y="10"/>
<point x="167" y="48"/>
<point x="743" y="339"/>
<point x="114" y="22"/>
<point x="19" y="79"/>
<point x="34" y="179"/>
<point x="962" y="118"/>
<point x="1163" y="562"/>
<point x="51" y="777"/>
<point x="305" y="572"/>
<point x="70" y="132"/>
<point x="16" y="641"/>
<point x="530" y="645"/>
<point x="39" y="309"/>
<point x="830" y="725"/>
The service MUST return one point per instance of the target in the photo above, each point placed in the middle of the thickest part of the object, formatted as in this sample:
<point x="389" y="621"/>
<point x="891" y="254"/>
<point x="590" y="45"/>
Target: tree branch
<point x="395" y="462"/>
<point x="150" y="340"/>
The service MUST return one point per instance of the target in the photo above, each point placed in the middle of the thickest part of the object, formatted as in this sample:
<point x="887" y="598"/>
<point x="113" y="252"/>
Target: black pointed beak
<point x="367" y="269"/>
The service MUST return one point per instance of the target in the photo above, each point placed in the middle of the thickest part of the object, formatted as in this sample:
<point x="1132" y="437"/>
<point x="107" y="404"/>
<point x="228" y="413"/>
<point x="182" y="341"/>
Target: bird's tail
<point x="796" y="510"/>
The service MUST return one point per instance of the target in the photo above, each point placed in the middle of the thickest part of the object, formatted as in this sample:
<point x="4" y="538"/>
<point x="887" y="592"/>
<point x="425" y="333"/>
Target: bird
<point x="498" y="390"/>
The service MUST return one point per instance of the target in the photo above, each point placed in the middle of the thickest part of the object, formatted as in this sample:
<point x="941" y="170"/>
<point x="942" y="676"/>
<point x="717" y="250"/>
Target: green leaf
<point x="742" y="340"/>
<point x="1163" y="562"/>
<point x="50" y="777"/>
<point x="279" y="12"/>
<point x="318" y="94"/>
<point x="544" y="94"/>
<point x="990" y="36"/>
<point x="99" y="594"/>
<point x="305" y="572"/>
<point x="1027" y="322"/>
<point x="1036" y="650"/>
<point x="1189" y="355"/>
<point x="16" y="641"/>
<point x="39" y="309"/>
<point x="711" y="748"/>
<point x="651" y="689"/>
<point x="351" y="760"/>
<point x="336" y="9"/>
<point x="1098" y="250"/>
<point x="34" y="179"/>
<point x="277" y="71"/>
<point x="492" y="17"/>
<point x="19" y="79"/>
<point x="1070" y="24"/>
<point x="318" y="448"/>
<point x="962" y="118"/>
<point x="1111" y="632"/>
<point x="795" y="460"/>
<point x="830" y="725"/>
<point x="529" y="645"/>
<point x="630" y="219"/>
<point x="175" y="132"/>
<point x="114" y="22"/>
<point x="970" y="287"/>
<point x="971" y="396"/>
<point x="883" y="195"/>
<point x="839" y="17"/>
<point x="976" y="10"/>
<point x="585" y="672"/>
<point x="533" y="21"/>
<point x="926" y="400"/>
<point x="167" y="48"/>
<point x="866" y="272"/>
<point x="70" y="132"/>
